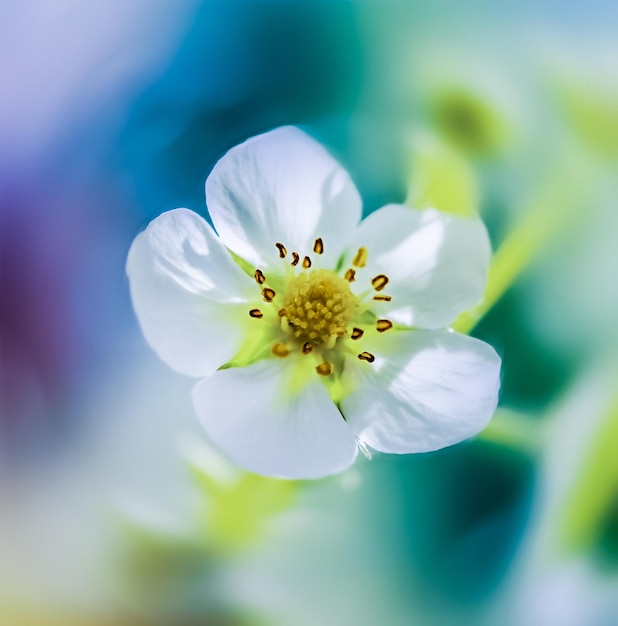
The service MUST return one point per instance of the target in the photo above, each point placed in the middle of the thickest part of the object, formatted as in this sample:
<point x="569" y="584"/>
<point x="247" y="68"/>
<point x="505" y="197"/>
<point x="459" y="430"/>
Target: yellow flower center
<point x="316" y="310"/>
<point x="318" y="306"/>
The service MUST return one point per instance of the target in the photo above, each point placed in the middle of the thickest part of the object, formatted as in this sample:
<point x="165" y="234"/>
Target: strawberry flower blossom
<point x="315" y="333"/>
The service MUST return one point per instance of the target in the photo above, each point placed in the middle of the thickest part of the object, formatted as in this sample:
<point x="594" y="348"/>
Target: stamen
<point x="357" y="333"/>
<point x="260" y="279"/>
<point x="306" y="262"/>
<point x="282" y="250"/>
<point x="361" y="257"/>
<point x="256" y="313"/>
<point x="318" y="246"/>
<point x="367" y="356"/>
<point x="280" y="350"/>
<point x="350" y="275"/>
<point x="269" y="294"/>
<point x="383" y="325"/>
<point x="382" y="298"/>
<point x="295" y="258"/>
<point x="318" y="306"/>
<point x="379" y="282"/>
<point x="281" y="312"/>
<point x="307" y="347"/>
<point x="325" y="368"/>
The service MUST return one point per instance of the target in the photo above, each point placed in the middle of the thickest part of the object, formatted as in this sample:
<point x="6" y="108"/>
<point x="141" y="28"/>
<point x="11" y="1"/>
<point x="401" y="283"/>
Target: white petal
<point x="425" y="390"/>
<point x="252" y="416"/>
<point x="436" y="263"/>
<point x="189" y="295"/>
<point x="282" y="187"/>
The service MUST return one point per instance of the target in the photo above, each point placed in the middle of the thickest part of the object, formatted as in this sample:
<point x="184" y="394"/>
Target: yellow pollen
<point x="260" y="279"/>
<point x="324" y="369"/>
<point x="318" y="246"/>
<point x="295" y="258"/>
<point x="350" y="275"/>
<point x="282" y="250"/>
<point x="269" y="294"/>
<point x="360" y="258"/>
<point x="383" y="325"/>
<point x="382" y="298"/>
<point x="379" y="282"/>
<point x="280" y="350"/>
<point x="256" y="313"/>
<point x="367" y="356"/>
<point x="318" y="305"/>
<point x="306" y="262"/>
<point x="357" y="333"/>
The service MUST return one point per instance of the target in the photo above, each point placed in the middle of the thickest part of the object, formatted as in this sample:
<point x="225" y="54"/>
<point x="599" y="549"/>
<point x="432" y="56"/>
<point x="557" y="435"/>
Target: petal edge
<point x="428" y="390"/>
<point x="187" y="293"/>
<point x="245" y="413"/>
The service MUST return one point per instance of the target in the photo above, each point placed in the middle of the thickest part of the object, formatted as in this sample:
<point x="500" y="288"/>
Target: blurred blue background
<point x="114" y="509"/>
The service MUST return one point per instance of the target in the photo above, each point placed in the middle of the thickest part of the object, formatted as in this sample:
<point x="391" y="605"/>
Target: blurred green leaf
<point x="593" y="116"/>
<point x="237" y="509"/>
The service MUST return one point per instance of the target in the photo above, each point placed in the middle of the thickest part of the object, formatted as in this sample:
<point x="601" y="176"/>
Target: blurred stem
<point x="595" y="489"/>
<point x="548" y="213"/>
<point x="514" y="430"/>
<point x="441" y="177"/>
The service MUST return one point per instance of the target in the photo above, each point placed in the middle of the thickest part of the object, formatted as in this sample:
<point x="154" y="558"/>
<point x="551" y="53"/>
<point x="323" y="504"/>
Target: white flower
<point x="315" y="334"/>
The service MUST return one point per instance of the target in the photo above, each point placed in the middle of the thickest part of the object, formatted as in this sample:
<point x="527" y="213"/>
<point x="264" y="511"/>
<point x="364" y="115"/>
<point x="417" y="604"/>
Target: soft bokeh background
<point x="113" y="508"/>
